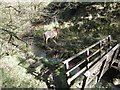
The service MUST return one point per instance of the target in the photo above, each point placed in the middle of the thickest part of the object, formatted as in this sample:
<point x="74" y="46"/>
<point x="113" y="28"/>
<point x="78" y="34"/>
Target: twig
<point x="12" y="34"/>
<point x="14" y="8"/>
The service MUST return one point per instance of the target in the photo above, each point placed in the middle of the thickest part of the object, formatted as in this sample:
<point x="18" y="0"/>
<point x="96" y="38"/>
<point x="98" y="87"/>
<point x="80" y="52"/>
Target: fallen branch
<point x="12" y="34"/>
<point x="14" y="8"/>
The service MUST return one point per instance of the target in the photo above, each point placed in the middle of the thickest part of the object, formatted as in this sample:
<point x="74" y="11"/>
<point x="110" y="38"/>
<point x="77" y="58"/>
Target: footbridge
<point x="85" y="69"/>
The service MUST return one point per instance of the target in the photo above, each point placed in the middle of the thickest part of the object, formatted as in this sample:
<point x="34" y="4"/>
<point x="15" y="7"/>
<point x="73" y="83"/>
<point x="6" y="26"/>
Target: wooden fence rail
<point x="97" y="71"/>
<point x="86" y="61"/>
<point x="94" y="69"/>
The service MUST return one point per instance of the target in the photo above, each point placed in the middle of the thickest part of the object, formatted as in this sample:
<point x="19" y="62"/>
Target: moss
<point x="46" y="61"/>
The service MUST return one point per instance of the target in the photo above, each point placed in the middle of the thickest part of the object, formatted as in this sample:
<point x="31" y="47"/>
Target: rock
<point x="116" y="81"/>
<point x="30" y="61"/>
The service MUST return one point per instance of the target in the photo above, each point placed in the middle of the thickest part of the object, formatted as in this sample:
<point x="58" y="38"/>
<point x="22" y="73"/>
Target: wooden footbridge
<point x="86" y="68"/>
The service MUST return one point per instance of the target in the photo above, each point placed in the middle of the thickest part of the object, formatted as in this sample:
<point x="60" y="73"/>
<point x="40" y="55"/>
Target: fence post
<point x="109" y="44"/>
<point x="100" y="42"/>
<point x="88" y="53"/>
<point x="66" y="64"/>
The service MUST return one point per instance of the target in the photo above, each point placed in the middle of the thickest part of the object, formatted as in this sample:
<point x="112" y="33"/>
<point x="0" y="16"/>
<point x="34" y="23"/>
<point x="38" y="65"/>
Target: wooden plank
<point x="75" y="67"/>
<point x="93" y="53"/>
<point x="93" y="45"/>
<point x="66" y="62"/>
<point x="95" y="66"/>
<point x="76" y="75"/>
<point x="107" y="55"/>
<point x="67" y="65"/>
<point x="108" y="58"/>
<point x="71" y="58"/>
<point x="81" y="63"/>
<point x="90" y="80"/>
<point x="94" y="71"/>
<point x="92" y="62"/>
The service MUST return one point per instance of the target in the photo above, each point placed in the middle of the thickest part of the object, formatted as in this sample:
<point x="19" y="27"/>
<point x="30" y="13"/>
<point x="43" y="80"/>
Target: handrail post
<point x="88" y="53"/>
<point x="109" y="44"/>
<point x="100" y="42"/>
<point x="67" y="67"/>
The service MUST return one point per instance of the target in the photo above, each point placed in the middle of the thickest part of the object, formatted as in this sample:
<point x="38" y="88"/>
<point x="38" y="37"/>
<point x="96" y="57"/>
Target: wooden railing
<point x="86" y="58"/>
<point x="96" y="71"/>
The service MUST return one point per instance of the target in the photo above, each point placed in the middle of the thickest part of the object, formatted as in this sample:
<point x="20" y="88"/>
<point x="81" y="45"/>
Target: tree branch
<point x="12" y="34"/>
<point x="14" y="8"/>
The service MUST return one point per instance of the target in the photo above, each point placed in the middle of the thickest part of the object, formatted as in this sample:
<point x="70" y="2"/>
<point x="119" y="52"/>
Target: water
<point x="38" y="50"/>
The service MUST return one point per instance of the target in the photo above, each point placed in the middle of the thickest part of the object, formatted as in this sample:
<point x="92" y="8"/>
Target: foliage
<point x="81" y="23"/>
<point x="14" y="75"/>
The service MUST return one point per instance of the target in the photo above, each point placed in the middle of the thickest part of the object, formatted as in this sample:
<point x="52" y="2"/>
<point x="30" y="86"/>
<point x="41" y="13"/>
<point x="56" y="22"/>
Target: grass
<point x="0" y="77"/>
<point x="14" y="75"/>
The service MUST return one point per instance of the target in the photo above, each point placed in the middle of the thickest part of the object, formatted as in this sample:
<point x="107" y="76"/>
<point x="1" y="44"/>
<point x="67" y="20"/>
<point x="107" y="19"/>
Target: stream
<point x="38" y="50"/>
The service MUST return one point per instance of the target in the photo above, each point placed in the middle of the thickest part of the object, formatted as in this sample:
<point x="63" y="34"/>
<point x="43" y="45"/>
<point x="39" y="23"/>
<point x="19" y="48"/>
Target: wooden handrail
<point x="84" y="69"/>
<point x="78" y="54"/>
<point x="105" y="58"/>
<point x="87" y="50"/>
<point x="82" y="61"/>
